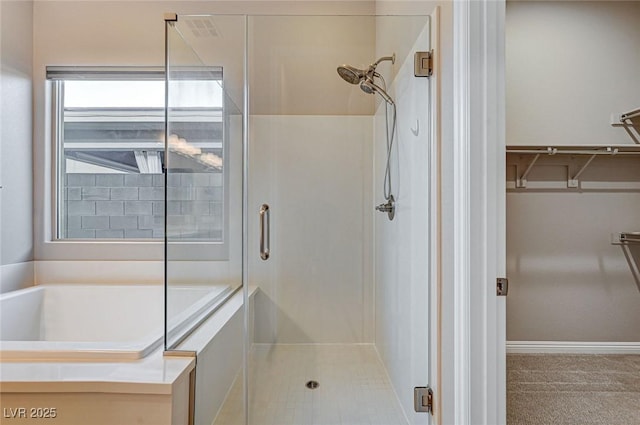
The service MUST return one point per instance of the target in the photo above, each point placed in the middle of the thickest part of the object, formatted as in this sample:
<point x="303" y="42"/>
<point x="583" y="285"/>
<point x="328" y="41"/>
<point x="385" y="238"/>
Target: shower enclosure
<point x="274" y="192"/>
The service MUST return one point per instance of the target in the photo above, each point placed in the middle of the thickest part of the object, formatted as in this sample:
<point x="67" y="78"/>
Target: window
<point x="109" y="132"/>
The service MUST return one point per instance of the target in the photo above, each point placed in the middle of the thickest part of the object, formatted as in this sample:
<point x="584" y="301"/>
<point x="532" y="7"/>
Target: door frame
<point x="478" y="214"/>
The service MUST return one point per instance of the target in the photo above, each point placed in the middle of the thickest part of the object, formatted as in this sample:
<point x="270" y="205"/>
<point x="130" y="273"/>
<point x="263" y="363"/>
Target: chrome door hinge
<point x="423" y="399"/>
<point x="423" y="64"/>
<point x="502" y="286"/>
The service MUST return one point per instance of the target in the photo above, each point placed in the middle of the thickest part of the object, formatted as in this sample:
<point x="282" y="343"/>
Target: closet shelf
<point x="576" y="149"/>
<point x="630" y="121"/>
<point x="630" y="115"/>
<point x="590" y="151"/>
<point x="630" y="237"/>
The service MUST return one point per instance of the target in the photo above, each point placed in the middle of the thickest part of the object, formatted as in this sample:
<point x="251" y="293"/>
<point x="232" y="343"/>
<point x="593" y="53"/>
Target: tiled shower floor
<point x="354" y="388"/>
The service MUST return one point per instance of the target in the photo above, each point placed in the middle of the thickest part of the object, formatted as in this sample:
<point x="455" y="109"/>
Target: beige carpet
<point x="550" y="389"/>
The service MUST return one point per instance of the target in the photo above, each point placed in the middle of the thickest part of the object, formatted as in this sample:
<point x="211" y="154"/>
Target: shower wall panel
<point x="402" y="245"/>
<point x="314" y="174"/>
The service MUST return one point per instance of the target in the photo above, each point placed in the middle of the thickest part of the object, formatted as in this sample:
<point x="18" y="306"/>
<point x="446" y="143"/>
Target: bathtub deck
<point x="154" y="374"/>
<point x="354" y="388"/>
<point x="151" y="391"/>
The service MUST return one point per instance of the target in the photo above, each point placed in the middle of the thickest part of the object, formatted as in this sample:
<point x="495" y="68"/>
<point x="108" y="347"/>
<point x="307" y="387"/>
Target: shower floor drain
<point x="312" y="385"/>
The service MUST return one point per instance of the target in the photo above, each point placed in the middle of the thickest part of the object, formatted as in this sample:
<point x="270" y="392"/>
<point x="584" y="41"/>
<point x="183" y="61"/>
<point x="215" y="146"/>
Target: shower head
<point x="353" y="75"/>
<point x="365" y="78"/>
<point x="350" y="74"/>
<point x="370" y="87"/>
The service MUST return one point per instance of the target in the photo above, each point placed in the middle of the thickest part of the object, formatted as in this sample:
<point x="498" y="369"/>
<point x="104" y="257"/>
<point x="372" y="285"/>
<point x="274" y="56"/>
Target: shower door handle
<point x="264" y="232"/>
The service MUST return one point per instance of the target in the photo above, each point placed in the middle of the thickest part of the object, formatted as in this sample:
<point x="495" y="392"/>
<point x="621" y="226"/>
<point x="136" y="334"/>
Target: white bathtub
<point x="96" y="322"/>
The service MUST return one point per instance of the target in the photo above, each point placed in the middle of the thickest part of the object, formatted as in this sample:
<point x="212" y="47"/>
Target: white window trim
<point x="48" y="248"/>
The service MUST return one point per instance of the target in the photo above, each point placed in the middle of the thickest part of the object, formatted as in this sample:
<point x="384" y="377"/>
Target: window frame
<point x="116" y="249"/>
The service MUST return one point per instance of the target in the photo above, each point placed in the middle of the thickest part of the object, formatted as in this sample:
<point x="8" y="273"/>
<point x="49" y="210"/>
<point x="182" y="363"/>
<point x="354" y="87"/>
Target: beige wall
<point x="16" y="217"/>
<point x="117" y="33"/>
<point x="569" y="66"/>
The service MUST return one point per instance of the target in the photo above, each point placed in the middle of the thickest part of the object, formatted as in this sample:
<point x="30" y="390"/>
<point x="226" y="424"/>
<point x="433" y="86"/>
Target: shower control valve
<point x="388" y="207"/>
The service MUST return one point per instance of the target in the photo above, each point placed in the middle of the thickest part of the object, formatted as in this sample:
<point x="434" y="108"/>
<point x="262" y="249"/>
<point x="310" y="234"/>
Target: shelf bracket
<point x="573" y="181"/>
<point x="522" y="181"/>
<point x="635" y="137"/>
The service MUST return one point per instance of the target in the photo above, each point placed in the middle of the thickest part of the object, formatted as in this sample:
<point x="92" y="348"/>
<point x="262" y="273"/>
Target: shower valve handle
<point x="389" y="207"/>
<point x="386" y="207"/>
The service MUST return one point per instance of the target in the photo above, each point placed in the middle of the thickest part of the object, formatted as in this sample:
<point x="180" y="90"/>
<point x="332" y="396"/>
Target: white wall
<point x="16" y="216"/>
<point x="402" y="246"/>
<point x="569" y="65"/>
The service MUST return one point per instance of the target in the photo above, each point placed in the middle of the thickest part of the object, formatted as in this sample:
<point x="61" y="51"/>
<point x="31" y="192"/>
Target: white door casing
<point x="478" y="248"/>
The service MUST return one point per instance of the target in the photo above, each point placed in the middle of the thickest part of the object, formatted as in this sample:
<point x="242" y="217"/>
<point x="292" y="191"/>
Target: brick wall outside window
<point x="131" y="206"/>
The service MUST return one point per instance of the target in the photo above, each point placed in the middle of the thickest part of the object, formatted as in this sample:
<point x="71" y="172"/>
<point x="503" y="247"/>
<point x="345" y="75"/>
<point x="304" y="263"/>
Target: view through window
<point x="111" y="159"/>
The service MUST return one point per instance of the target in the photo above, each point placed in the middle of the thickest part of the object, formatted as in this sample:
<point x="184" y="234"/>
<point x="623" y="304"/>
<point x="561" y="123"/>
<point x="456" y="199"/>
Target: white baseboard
<point x="571" y="347"/>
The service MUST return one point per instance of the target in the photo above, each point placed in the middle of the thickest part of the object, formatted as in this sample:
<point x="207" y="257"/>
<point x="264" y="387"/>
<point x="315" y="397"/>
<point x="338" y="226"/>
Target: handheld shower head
<point x="370" y="87"/>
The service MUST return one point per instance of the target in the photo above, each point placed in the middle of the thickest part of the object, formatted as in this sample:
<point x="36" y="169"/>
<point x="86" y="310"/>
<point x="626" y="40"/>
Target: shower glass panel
<point x="202" y="205"/>
<point x="317" y="157"/>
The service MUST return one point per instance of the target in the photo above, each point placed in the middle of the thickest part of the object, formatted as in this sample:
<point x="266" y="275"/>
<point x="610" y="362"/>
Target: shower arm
<point x="372" y="68"/>
<point x="385" y="58"/>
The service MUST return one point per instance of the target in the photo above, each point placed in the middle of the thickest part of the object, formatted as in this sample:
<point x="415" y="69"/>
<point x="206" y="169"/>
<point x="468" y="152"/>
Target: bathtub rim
<point x="72" y="351"/>
<point x="155" y="374"/>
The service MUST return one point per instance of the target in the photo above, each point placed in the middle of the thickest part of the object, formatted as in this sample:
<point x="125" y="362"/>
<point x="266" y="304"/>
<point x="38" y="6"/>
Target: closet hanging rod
<point x="629" y="115"/>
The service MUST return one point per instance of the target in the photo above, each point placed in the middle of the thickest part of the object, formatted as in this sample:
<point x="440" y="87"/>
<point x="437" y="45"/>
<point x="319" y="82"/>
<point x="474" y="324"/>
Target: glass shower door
<point x="340" y="334"/>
